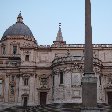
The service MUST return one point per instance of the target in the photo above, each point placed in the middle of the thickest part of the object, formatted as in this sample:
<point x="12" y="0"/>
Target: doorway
<point x="25" y="101"/>
<point x="109" y="98"/>
<point x="43" y="97"/>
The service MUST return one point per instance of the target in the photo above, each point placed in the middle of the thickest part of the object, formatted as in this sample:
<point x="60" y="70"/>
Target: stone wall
<point x="47" y="62"/>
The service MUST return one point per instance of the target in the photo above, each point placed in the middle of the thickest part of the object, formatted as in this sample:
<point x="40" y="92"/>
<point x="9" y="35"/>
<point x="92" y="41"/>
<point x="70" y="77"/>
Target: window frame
<point x="27" y="57"/>
<point x="4" y="50"/>
<point x="26" y="81"/>
<point x="14" y="49"/>
<point x="61" y="77"/>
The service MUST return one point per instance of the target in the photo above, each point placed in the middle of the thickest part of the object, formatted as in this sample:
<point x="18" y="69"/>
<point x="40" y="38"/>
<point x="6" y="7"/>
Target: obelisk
<point x="88" y="62"/>
<point x="89" y="81"/>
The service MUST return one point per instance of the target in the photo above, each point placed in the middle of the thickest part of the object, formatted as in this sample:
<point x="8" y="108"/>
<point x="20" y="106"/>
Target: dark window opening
<point x="26" y="81"/>
<point x="14" y="49"/>
<point x="27" y="58"/>
<point x="53" y="80"/>
<point x="4" y="50"/>
<point x="1" y="81"/>
<point x="61" y="77"/>
<point x="100" y="79"/>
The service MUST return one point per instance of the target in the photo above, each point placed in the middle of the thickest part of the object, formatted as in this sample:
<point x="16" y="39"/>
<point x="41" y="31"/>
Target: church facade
<point x="32" y="74"/>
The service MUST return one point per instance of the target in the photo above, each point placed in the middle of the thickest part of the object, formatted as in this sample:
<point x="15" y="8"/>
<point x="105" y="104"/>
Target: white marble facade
<point x="32" y="74"/>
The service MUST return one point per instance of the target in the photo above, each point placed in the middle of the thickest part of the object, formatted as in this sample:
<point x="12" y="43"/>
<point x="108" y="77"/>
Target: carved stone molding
<point x="26" y="52"/>
<point x="14" y="43"/>
<point x="76" y="67"/>
<point x="43" y="81"/>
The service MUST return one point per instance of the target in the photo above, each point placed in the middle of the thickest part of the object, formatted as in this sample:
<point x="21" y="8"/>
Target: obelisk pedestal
<point x="89" y="94"/>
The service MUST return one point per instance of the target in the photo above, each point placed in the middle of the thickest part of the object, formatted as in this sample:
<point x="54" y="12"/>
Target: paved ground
<point x="50" y="108"/>
<point x="47" y="108"/>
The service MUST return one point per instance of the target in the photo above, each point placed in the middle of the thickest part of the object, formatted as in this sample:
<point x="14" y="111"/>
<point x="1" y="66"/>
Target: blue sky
<point x="43" y="16"/>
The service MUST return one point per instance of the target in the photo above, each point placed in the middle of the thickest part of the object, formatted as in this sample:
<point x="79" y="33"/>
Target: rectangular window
<point x="14" y="49"/>
<point x="3" y="50"/>
<point x="61" y="77"/>
<point x="27" y="58"/>
<point x="26" y="82"/>
<point x="53" y="80"/>
<point x="101" y="81"/>
<point x="1" y="87"/>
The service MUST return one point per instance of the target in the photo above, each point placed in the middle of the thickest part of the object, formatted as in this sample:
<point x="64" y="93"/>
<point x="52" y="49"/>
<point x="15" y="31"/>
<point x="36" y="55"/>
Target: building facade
<point x="32" y="74"/>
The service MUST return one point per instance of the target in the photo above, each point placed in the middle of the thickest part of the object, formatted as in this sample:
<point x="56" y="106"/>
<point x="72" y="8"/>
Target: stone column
<point x="89" y="81"/>
<point x="32" y="90"/>
<point x="17" y="89"/>
<point x="20" y="91"/>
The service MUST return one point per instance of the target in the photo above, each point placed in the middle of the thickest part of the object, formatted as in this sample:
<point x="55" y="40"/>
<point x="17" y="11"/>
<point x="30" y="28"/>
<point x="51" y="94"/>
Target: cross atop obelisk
<point x="88" y="62"/>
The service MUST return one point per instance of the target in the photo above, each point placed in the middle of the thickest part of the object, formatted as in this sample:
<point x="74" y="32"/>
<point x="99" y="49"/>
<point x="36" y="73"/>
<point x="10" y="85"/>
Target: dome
<point x="19" y="28"/>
